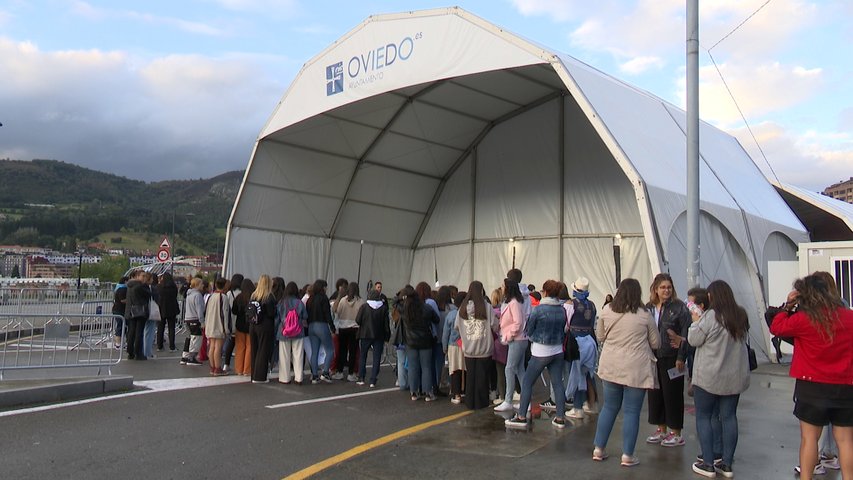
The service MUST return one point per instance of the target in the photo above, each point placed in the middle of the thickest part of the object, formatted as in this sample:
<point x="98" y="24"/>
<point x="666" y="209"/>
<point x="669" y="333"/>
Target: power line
<point x="731" y="94"/>
<point x="739" y="25"/>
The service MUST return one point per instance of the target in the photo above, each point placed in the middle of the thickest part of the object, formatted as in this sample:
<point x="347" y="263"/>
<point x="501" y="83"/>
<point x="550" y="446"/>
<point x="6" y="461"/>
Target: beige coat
<point x="217" y="321"/>
<point x="626" y="353"/>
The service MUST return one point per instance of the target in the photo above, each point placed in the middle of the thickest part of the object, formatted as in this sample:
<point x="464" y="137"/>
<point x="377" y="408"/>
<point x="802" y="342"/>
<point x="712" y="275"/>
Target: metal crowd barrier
<point x="49" y="299"/>
<point x="44" y="341"/>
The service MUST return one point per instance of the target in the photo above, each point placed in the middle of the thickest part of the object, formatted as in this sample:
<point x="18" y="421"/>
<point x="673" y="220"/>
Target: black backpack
<point x="253" y="312"/>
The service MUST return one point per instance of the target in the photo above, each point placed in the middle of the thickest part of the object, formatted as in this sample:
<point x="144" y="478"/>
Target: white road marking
<point x="153" y="386"/>
<point x="330" y="399"/>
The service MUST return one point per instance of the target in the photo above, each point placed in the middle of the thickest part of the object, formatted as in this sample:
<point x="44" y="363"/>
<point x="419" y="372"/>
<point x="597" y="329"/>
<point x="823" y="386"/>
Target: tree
<point x="110" y="269"/>
<point x="16" y="272"/>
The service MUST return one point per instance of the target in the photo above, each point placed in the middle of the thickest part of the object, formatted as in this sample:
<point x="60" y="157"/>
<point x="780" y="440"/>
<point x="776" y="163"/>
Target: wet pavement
<point x="202" y="421"/>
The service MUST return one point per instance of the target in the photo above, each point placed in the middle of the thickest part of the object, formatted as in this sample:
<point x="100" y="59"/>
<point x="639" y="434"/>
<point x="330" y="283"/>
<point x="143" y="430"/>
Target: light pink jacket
<point x="512" y="322"/>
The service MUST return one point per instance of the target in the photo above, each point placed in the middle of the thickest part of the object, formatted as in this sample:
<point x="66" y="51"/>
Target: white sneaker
<point x="656" y="437"/>
<point x="504" y="407"/>
<point x="588" y="409"/>
<point x="338" y="376"/>
<point x="672" y="440"/>
<point x="576" y="413"/>
<point x="829" y="462"/>
<point x="352" y="378"/>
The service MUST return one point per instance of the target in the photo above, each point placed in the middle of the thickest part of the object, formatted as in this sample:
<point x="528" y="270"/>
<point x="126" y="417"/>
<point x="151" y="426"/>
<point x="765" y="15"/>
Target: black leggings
<point x="666" y="404"/>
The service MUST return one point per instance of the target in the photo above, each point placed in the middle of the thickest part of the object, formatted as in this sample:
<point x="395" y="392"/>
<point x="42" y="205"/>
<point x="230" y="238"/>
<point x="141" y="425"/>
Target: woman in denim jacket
<point x="546" y="329"/>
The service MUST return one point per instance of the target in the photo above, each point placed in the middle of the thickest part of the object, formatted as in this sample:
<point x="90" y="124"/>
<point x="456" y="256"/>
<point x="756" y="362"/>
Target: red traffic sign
<point x="165" y="243"/>
<point x="163" y="255"/>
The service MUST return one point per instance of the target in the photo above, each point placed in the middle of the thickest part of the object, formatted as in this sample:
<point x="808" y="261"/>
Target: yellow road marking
<point x="341" y="457"/>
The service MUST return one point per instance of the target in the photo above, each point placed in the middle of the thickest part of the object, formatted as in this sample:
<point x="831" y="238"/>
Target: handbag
<point x="750" y="353"/>
<point x="153" y="310"/>
<point x="571" y="350"/>
<point x="138" y="310"/>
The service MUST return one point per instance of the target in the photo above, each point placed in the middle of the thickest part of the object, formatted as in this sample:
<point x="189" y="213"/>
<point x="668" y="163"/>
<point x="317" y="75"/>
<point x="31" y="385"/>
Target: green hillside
<point x="58" y="205"/>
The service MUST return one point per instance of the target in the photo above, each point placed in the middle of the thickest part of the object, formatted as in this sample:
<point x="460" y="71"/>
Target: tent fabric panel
<point x="735" y="169"/>
<point x="431" y="122"/>
<point x="390" y="265"/>
<point x="599" y="197"/>
<point x="728" y="262"/>
<point x="412" y="154"/>
<point x="279" y="210"/>
<point x="777" y="247"/>
<point x="451" y="218"/>
<point x="537" y="259"/>
<point x="451" y="263"/>
<point x="297" y="169"/>
<point x="329" y="134"/>
<point x="517" y="89"/>
<point x="385" y="186"/>
<point x="516" y="163"/>
<point x="455" y="97"/>
<point x="374" y="111"/>
<point x="373" y="223"/>
<point x="430" y="44"/>
<point x="303" y="258"/>
<point x="252" y="252"/>
<point x="591" y="258"/>
<point x="635" y="262"/>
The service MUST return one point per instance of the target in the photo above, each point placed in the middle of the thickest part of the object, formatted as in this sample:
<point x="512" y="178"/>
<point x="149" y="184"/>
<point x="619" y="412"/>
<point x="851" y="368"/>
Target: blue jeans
<point x="378" y="344"/>
<point x="564" y="378"/>
<point x="514" y="366"/>
<point x="420" y="369"/>
<point x="319" y="334"/>
<point x="706" y="404"/>
<point x="402" y="368"/>
<point x="438" y="363"/>
<point x="148" y="337"/>
<point x="615" y="397"/>
<point x="555" y="365"/>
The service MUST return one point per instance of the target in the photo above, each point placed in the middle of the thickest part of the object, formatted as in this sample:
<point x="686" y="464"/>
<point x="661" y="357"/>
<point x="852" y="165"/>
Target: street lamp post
<point x="79" y="268"/>
<point x="617" y="257"/>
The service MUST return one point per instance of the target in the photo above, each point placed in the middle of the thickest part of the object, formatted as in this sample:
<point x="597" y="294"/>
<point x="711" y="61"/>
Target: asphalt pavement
<point x="177" y="422"/>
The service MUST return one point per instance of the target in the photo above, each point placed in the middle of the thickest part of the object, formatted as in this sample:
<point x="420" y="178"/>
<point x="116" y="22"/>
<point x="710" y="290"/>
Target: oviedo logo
<point x="368" y="67"/>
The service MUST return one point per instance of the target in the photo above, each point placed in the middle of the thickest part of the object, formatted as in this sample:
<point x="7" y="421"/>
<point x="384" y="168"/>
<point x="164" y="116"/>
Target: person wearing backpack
<point x="373" y="331"/>
<point x="261" y="316"/>
<point x="290" y="322"/>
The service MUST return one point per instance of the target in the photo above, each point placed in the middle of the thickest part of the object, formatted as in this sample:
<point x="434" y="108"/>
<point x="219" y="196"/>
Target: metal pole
<point x="172" y="247"/>
<point x="79" y="269"/>
<point x="360" y="248"/>
<point x="692" y="143"/>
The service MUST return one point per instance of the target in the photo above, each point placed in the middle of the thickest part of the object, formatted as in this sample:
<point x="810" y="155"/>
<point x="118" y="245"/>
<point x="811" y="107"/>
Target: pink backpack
<point x="291" y="328"/>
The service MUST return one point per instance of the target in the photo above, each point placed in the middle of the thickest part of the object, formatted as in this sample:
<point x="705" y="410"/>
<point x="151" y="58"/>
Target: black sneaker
<point x="193" y="362"/>
<point x="183" y="361"/>
<point x="705" y="470"/>
<point x="548" y="405"/>
<point x="516" y="422"/>
<point x="724" y="470"/>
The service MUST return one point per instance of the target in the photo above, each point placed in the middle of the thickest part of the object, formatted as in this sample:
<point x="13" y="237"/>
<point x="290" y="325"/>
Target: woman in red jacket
<point x="823" y="366"/>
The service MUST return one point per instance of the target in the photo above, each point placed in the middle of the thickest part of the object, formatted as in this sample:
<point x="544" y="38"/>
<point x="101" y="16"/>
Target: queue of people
<point x="497" y="348"/>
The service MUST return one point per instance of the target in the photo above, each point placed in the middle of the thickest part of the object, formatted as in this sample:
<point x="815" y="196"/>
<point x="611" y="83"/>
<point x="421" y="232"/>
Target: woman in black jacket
<point x="136" y="314"/>
<point x="373" y="331"/>
<point x="320" y="328"/>
<point x="168" y="293"/>
<point x="666" y="404"/>
<point x="417" y="318"/>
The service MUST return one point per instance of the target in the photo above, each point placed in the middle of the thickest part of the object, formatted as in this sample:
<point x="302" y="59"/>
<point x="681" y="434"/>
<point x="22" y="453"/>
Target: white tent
<point x="825" y="218"/>
<point x="450" y="146"/>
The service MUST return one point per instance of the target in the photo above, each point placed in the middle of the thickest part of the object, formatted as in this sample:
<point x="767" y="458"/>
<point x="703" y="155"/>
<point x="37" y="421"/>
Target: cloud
<point x="183" y="116"/>
<point x="639" y="65"/>
<point x="760" y="90"/>
<point x="274" y="8"/>
<point x="88" y="11"/>
<point x="560" y="10"/>
<point x="813" y="160"/>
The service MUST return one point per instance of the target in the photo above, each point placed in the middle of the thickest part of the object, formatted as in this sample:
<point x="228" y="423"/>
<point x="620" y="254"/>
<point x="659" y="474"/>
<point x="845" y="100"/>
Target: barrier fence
<point x="63" y="340"/>
<point x="50" y="300"/>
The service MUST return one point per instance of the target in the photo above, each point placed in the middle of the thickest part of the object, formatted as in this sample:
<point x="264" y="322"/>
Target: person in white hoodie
<point x="346" y="309"/>
<point x="374" y="330"/>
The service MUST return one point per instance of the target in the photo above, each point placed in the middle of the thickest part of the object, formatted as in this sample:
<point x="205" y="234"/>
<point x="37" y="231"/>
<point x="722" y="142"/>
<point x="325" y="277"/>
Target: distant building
<point x="841" y="191"/>
<point x="41" y="267"/>
<point x="8" y="262"/>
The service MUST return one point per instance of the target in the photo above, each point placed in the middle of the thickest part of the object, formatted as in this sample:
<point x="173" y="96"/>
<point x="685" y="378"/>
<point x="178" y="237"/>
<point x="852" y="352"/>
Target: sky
<point x="159" y="89"/>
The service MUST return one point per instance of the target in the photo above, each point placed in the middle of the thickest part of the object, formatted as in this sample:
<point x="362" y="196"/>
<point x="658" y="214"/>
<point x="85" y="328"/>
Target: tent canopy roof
<point x="364" y="141"/>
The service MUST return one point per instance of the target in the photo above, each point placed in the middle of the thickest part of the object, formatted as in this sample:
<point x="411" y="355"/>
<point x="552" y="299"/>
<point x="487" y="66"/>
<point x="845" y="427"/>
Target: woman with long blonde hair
<point x="261" y="333"/>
